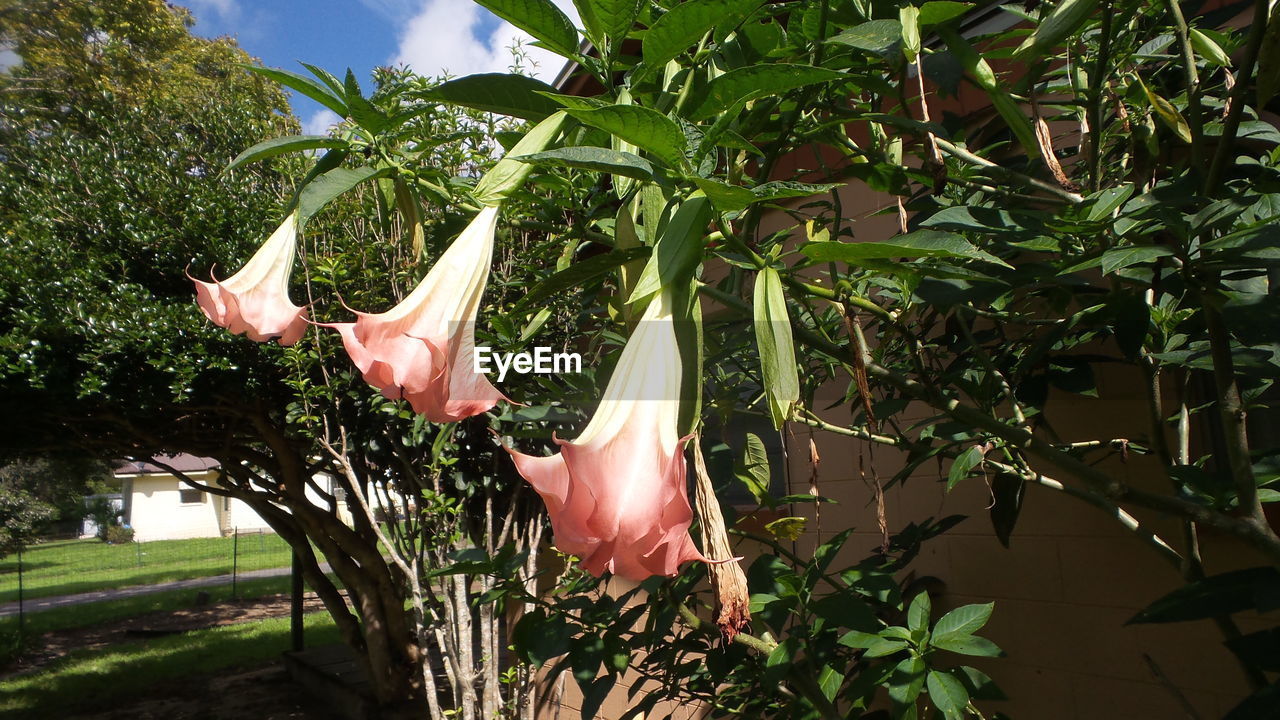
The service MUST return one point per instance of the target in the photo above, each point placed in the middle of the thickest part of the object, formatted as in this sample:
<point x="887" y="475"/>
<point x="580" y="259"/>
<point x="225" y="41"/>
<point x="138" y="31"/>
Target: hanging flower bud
<point x="255" y="301"/>
<point x="421" y="350"/>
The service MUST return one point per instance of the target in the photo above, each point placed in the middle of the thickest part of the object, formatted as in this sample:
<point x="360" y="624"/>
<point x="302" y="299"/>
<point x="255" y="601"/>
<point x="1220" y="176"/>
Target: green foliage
<point x="22" y="517"/>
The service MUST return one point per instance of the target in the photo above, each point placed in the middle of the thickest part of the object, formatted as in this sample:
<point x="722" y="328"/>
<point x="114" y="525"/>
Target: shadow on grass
<point x="95" y="680"/>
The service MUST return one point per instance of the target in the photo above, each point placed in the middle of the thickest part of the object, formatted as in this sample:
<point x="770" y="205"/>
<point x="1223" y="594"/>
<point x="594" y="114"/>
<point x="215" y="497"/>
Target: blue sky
<point x="431" y="36"/>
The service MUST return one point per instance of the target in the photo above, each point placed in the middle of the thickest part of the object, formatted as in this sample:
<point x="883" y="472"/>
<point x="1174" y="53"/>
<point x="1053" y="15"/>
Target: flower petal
<point x="255" y="301"/>
<point x="421" y="349"/>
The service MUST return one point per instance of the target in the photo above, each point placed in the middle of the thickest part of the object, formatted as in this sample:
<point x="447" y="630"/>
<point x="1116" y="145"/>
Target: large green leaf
<point x="685" y="24"/>
<point x="515" y="95"/>
<point x="578" y="274"/>
<point x="919" y="244"/>
<point x="330" y="185"/>
<point x="539" y="18"/>
<point x="940" y="11"/>
<point x="678" y="250"/>
<point x="510" y="173"/>
<point x="877" y="37"/>
<point x="594" y="158"/>
<point x="967" y="645"/>
<point x="1268" y="81"/>
<point x="1120" y="258"/>
<point x="614" y="17"/>
<point x="758" y="81"/>
<point x="777" y="350"/>
<point x="966" y="620"/>
<point x="644" y="128"/>
<point x="1067" y="17"/>
<point x="1222" y="594"/>
<point x="304" y="85"/>
<point x="282" y="145"/>
<point x="948" y="694"/>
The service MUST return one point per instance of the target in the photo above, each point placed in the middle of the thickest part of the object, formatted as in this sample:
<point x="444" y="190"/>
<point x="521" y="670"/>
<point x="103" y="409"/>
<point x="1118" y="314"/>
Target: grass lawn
<point x="91" y="680"/>
<point x="98" y="613"/>
<point x="75" y="566"/>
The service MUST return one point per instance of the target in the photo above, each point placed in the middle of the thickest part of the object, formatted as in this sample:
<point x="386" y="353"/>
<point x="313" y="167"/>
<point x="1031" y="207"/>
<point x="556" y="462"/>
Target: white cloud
<point x="8" y="59"/>
<point x="449" y="35"/>
<point x="226" y="9"/>
<point x="320" y="122"/>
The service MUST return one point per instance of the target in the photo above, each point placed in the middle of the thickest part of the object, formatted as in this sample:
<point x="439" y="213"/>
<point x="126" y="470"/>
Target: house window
<point x="190" y="496"/>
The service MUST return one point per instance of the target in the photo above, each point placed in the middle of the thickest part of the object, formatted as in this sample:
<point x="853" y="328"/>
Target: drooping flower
<point x="616" y="495"/>
<point x="255" y="301"/>
<point x="422" y="349"/>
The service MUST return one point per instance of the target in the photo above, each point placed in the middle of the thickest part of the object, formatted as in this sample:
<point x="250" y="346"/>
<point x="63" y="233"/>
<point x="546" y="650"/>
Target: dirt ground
<point x="262" y="694"/>
<point x="54" y="645"/>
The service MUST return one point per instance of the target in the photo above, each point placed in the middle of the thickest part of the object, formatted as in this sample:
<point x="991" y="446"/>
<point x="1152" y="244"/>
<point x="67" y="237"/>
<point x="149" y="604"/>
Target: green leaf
<point x="753" y="469"/>
<point x="967" y="645"/>
<point x="1206" y="48"/>
<point x="682" y="26"/>
<point x="1167" y="113"/>
<point x="777" y="351"/>
<point x="1268" y="80"/>
<point x="538" y="638"/>
<point x="1067" y="17"/>
<point x="966" y="619"/>
<point x="947" y="693"/>
<point x="326" y="77"/>
<point x="615" y="17"/>
<point x="1120" y="258"/>
<point x="908" y="16"/>
<point x="787" y="528"/>
<point x="877" y="37"/>
<point x="883" y="647"/>
<point x="1106" y="201"/>
<point x="757" y="81"/>
<point x="726" y="198"/>
<point x="511" y="172"/>
<point x="856" y="639"/>
<point x="678" y="250"/>
<point x="282" y="145"/>
<point x="304" y="85"/>
<point x="829" y="681"/>
<point x="919" y="244"/>
<point x="594" y="158"/>
<point x="317" y="193"/>
<point x="515" y="95"/>
<point x="646" y="129"/>
<point x="1222" y="594"/>
<point x="541" y="19"/>
<point x="963" y="464"/>
<point x="906" y="680"/>
<point x="941" y="11"/>
<point x="918" y="612"/>
<point x="577" y="275"/>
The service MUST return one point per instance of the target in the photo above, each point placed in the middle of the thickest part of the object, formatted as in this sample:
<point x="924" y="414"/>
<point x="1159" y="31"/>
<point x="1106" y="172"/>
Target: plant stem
<point x="1235" y="102"/>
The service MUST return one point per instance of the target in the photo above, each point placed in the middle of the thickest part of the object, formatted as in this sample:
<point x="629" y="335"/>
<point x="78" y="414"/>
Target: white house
<point x="160" y="506"/>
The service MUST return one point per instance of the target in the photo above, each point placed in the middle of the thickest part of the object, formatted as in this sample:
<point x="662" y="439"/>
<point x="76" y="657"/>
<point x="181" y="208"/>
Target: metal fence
<point x="56" y="572"/>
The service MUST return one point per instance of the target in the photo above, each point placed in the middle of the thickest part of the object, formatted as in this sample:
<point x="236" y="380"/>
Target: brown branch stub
<point x="728" y="581"/>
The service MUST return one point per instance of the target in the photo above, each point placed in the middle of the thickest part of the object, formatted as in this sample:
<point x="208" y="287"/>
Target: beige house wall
<point x="158" y="512"/>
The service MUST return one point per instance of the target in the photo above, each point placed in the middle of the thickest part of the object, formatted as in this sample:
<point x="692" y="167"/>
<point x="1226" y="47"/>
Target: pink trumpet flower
<point x="616" y="495"/>
<point x="422" y="349"/>
<point x="255" y="301"/>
